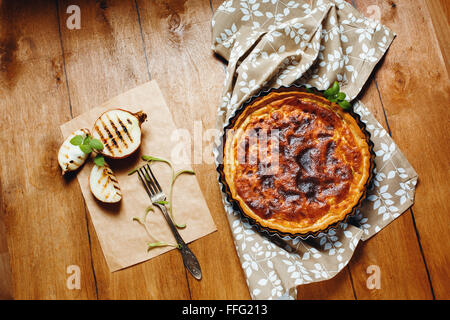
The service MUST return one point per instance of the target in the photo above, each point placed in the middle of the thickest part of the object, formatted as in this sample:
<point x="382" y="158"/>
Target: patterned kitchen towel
<point x="270" y="43"/>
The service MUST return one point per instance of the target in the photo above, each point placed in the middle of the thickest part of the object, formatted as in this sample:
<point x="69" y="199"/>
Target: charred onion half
<point x="70" y="156"/>
<point x="119" y="131"/>
<point x="104" y="184"/>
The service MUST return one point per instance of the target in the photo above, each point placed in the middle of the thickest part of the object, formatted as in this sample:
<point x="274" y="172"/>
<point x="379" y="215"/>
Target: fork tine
<point x="154" y="179"/>
<point x="145" y="182"/>
<point x="151" y="181"/>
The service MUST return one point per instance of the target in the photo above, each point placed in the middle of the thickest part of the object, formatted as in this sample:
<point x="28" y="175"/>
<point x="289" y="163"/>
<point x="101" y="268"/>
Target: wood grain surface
<point x="415" y="93"/>
<point x="50" y="73"/>
<point x="6" y="291"/>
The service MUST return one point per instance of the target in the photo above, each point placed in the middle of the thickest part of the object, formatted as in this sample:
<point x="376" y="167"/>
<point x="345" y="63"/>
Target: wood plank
<point x="177" y="37"/>
<point x="6" y="290"/>
<point x="104" y="58"/>
<point x="440" y="12"/>
<point x="336" y="288"/>
<point x="46" y="230"/>
<point x="415" y="94"/>
<point x="402" y="272"/>
<point x="412" y="281"/>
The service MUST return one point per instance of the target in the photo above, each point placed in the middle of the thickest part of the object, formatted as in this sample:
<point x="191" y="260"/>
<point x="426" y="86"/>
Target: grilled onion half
<point x="104" y="185"/>
<point x="70" y="157"/>
<point x="119" y="131"/>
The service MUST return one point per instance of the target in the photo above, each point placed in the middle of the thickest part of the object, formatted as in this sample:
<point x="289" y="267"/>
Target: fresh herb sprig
<point x="334" y="95"/>
<point x="88" y="144"/>
<point x="151" y="245"/>
<point x="175" y="175"/>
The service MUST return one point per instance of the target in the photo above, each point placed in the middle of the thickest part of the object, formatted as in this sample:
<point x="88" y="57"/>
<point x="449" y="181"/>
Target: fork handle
<point x="189" y="259"/>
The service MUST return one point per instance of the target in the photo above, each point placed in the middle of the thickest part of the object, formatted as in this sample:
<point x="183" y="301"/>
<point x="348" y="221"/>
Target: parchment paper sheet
<point x="124" y="241"/>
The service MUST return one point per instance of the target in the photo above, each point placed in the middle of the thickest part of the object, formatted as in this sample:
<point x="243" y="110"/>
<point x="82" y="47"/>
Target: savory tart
<point x="295" y="162"/>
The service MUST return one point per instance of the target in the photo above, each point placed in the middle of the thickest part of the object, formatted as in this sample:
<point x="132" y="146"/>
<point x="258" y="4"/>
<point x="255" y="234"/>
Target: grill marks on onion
<point x="124" y="128"/>
<point x="109" y="177"/>
<point x="104" y="184"/>
<point x="71" y="157"/>
<point x="110" y="135"/>
<point x="119" y="131"/>
<point x="102" y="138"/>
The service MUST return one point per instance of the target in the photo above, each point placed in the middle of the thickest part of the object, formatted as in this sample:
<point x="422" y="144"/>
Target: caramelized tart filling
<point x="296" y="161"/>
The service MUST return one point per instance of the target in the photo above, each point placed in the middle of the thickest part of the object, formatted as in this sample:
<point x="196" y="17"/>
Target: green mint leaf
<point x="345" y="105"/>
<point x="99" y="160"/>
<point x="332" y="91"/>
<point x="77" y="140"/>
<point x="335" y="88"/>
<point x="96" y="144"/>
<point x="341" y="96"/>
<point x="86" y="148"/>
<point x="87" y="140"/>
<point x="327" y="93"/>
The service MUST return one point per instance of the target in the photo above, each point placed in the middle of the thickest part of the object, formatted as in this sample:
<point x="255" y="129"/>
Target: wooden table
<point x="49" y="74"/>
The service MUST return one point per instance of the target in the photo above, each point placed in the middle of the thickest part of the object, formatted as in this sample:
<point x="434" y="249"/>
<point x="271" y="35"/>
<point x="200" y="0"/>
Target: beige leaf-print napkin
<point x="271" y="43"/>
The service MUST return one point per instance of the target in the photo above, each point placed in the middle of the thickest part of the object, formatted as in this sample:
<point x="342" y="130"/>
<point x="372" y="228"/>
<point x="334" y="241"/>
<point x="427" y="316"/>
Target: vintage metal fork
<point x="157" y="197"/>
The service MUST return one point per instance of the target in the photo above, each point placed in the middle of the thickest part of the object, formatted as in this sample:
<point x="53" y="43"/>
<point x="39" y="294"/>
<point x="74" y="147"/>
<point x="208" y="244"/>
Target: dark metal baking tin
<point x="269" y="232"/>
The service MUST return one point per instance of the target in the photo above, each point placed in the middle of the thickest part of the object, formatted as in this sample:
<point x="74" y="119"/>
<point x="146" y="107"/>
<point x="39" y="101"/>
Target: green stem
<point x="151" y="245"/>
<point x="161" y="244"/>
<point x="151" y="159"/>
<point x="174" y="177"/>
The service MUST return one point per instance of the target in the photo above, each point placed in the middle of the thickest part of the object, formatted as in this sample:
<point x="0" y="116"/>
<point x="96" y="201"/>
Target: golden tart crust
<point x="295" y="162"/>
